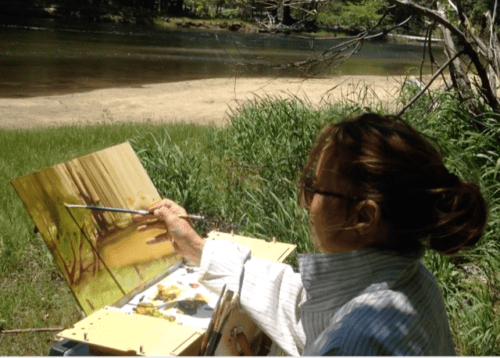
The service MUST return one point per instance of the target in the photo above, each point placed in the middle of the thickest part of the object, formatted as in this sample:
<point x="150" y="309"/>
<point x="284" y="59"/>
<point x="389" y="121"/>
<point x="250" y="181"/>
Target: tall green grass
<point x="246" y="174"/>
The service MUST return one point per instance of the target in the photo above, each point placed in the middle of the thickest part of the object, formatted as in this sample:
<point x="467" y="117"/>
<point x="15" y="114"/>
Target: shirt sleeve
<point x="271" y="293"/>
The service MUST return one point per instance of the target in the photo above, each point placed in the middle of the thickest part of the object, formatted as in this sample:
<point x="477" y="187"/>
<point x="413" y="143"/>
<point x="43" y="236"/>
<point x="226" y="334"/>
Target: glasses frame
<point x="309" y="188"/>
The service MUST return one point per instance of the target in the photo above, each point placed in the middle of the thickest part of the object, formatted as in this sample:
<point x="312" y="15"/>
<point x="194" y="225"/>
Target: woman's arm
<point x="271" y="293"/>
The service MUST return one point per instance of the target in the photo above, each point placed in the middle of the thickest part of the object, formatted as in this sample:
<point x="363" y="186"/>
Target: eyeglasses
<point x="309" y="191"/>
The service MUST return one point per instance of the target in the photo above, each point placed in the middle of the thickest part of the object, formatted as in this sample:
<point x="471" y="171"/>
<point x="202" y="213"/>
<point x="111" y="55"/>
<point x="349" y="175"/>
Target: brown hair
<point x="388" y="161"/>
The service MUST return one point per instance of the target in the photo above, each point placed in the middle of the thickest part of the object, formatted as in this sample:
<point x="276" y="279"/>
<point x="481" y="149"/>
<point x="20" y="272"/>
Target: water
<point x="47" y="57"/>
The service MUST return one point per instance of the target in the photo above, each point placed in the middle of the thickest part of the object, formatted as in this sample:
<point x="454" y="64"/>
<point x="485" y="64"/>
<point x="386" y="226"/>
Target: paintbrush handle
<point x="188" y="216"/>
<point x="129" y="211"/>
<point x="211" y="324"/>
<point x="220" y="316"/>
<point x="104" y="208"/>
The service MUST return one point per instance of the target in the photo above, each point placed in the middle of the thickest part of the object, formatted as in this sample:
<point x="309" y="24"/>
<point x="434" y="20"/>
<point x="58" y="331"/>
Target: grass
<point x="246" y="174"/>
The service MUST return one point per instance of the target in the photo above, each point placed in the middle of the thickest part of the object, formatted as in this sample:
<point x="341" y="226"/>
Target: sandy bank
<point x="201" y="101"/>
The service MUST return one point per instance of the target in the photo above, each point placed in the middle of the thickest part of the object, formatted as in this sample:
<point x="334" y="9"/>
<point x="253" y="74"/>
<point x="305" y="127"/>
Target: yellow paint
<point x="133" y="249"/>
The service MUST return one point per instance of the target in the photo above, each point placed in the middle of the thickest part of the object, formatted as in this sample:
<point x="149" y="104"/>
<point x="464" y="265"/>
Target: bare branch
<point x="454" y="7"/>
<point x="29" y="330"/>
<point x="422" y="91"/>
<point x="461" y="15"/>
<point x="439" y="17"/>
<point x="492" y="24"/>
<point x="433" y="15"/>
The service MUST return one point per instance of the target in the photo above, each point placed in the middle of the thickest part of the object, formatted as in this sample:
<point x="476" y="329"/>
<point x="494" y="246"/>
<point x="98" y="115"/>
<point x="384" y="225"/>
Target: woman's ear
<point x="368" y="217"/>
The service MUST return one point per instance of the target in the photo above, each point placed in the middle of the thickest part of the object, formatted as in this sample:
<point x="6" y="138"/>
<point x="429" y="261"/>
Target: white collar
<point x="331" y="280"/>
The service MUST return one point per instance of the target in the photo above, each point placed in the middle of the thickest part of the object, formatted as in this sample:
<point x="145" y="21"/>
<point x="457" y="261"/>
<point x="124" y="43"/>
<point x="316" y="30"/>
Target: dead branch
<point x="472" y="46"/>
<point x="29" y="330"/>
<point x="343" y="51"/>
<point x="423" y="90"/>
<point x="431" y="14"/>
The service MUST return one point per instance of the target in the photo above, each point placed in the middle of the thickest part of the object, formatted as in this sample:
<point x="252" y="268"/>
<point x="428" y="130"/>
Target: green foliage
<point x="352" y="14"/>
<point x="266" y="144"/>
<point x="245" y="172"/>
<point x="205" y="8"/>
<point x="475" y="9"/>
<point x="274" y="136"/>
<point x="177" y="173"/>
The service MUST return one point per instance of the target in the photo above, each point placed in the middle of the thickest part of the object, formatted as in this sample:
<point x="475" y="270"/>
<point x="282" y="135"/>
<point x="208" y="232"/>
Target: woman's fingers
<point x="159" y="238"/>
<point x="157" y="224"/>
<point x="170" y="205"/>
<point x="140" y="217"/>
<point x="161" y="218"/>
<point x="163" y="202"/>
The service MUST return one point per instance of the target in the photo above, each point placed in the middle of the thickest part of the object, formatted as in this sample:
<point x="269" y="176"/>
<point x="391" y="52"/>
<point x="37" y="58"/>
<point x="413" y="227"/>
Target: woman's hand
<point x="165" y="216"/>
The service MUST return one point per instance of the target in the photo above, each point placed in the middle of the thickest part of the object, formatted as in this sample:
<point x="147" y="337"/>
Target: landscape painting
<point x="101" y="254"/>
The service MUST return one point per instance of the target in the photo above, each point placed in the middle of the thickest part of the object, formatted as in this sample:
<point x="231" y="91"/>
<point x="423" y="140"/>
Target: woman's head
<point x="391" y="186"/>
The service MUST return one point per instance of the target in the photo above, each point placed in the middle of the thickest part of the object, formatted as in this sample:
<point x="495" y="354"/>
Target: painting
<point x="101" y="254"/>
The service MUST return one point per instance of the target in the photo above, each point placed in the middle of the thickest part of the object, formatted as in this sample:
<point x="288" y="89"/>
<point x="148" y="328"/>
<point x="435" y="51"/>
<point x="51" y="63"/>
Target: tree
<point x="470" y="51"/>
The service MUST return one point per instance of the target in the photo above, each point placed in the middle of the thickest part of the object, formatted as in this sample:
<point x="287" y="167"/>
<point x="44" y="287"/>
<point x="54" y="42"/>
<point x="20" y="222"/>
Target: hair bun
<point x="453" y="180"/>
<point x="460" y="218"/>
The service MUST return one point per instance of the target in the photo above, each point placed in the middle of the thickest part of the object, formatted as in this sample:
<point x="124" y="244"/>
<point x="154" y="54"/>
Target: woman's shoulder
<point x="370" y="330"/>
<point x="406" y="319"/>
<point x="414" y="293"/>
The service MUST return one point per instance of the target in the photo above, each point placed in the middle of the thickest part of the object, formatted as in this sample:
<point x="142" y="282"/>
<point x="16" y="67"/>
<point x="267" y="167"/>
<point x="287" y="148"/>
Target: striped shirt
<point x="362" y="302"/>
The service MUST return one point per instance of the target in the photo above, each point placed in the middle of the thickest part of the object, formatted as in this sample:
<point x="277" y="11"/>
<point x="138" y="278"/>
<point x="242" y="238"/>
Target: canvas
<point x="101" y="254"/>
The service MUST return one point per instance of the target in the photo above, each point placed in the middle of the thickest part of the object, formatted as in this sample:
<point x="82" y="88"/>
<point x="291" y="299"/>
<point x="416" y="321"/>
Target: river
<point x="40" y="57"/>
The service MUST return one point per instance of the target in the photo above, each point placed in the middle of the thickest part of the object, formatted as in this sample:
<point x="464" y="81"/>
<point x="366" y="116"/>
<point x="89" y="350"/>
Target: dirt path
<point x="201" y="101"/>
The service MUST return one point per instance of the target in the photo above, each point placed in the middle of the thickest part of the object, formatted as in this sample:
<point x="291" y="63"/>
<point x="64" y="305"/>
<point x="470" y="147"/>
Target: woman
<point x="378" y="195"/>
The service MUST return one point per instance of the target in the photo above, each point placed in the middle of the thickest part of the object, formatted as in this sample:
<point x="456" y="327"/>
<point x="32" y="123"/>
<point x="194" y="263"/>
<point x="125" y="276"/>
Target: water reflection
<point x="44" y="57"/>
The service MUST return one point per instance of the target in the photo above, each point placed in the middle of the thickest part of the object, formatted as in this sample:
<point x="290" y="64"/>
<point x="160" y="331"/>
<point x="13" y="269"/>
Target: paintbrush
<point x="129" y="211"/>
<point x="220" y="316"/>
<point x="211" y="324"/>
<point x="224" y="318"/>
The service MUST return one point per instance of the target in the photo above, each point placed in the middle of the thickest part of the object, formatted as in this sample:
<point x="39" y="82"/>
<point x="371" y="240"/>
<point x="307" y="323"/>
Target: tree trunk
<point x="287" y="13"/>
<point x="458" y="72"/>
<point x="493" y="51"/>
<point x="176" y="7"/>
